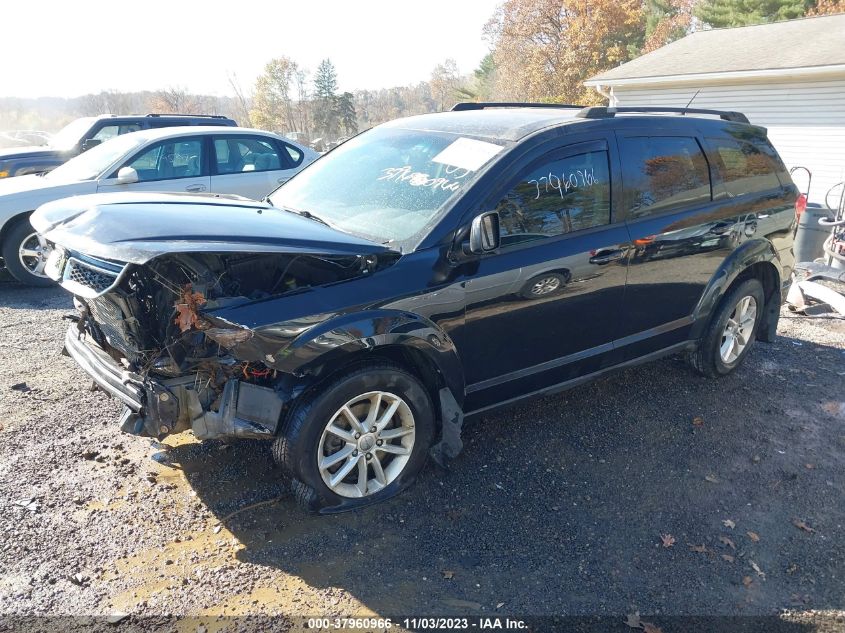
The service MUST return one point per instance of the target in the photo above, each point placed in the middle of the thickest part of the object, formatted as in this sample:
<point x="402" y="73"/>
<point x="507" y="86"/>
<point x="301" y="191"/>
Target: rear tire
<point x="23" y="238"/>
<point x="731" y="331"/>
<point x="336" y="459"/>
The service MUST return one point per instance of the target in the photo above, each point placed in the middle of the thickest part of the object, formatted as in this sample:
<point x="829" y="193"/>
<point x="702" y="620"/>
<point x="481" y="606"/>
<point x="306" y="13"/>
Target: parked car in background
<point x="223" y="160"/>
<point x="24" y="138"/>
<point x="428" y="269"/>
<point x="83" y="134"/>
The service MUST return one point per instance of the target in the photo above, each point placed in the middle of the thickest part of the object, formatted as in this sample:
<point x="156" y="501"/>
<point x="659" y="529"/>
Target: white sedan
<point x="241" y="161"/>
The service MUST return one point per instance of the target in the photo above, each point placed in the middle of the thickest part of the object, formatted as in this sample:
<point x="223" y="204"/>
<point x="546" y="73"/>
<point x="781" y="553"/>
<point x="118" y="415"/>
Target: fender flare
<point x="746" y="255"/>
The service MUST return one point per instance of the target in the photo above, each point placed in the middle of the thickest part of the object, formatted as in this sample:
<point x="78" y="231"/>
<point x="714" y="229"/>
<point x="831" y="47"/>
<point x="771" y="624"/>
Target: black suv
<point x="83" y="134"/>
<point x="428" y="269"/>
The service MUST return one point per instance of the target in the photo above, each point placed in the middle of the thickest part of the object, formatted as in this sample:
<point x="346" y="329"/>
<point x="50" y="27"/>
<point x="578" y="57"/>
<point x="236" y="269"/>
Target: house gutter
<point x="719" y="77"/>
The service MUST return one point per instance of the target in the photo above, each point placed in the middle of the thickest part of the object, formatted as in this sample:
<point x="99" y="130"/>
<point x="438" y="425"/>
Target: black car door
<point x="544" y="308"/>
<point x="680" y="236"/>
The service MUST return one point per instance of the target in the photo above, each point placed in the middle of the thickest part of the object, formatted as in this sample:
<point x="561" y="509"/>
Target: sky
<point x="68" y="48"/>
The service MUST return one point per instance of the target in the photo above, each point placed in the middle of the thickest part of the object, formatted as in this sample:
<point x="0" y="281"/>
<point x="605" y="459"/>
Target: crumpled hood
<point x="138" y="227"/>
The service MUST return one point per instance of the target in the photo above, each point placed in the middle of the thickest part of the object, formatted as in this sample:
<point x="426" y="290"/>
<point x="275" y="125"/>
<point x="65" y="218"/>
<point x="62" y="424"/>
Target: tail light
<point x="800" y="205"/>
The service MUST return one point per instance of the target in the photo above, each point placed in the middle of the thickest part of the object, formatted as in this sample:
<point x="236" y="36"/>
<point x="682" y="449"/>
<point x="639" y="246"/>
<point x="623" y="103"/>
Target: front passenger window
<point x="169" y="160"/>
<point x="557" y="197"/>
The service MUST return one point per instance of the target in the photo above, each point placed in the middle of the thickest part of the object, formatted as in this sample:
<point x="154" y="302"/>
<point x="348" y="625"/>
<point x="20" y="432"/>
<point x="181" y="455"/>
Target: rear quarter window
<point x="663" y="173"/>
<point x="746" y="166"/>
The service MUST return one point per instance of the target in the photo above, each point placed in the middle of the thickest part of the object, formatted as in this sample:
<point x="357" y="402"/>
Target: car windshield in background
<point x="386" y="185"/>
<point x="95" y="161"/>
<point x="70" y="135"/>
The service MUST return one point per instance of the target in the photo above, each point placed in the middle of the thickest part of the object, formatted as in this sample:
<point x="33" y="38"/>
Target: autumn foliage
<point x="545" y="49"/>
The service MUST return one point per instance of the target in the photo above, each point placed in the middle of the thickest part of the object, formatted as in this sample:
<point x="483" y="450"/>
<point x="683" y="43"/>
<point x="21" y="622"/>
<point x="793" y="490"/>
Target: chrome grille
<point x="89" y="277"/>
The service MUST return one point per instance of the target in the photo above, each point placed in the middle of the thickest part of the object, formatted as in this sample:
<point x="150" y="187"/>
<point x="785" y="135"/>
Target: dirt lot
<point x="653" y="490"/>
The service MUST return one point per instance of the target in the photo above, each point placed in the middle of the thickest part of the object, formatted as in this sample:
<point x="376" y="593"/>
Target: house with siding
<point x="788" y="77"/>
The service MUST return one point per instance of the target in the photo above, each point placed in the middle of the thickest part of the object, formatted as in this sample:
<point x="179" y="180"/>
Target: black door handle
<point x="607" y="257"/>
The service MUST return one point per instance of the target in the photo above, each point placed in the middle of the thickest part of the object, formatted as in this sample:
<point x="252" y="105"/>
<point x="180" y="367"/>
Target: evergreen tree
<point x="346" y="113"/>
<point x="727" y="13"/>
<point x="325" y="95"/>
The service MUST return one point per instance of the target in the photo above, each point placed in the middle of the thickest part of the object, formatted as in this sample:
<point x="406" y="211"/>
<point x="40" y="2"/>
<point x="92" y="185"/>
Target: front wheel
<point x="731" y="331"/>
<point x="359" y="439"/>
<point x="25" y="254"/>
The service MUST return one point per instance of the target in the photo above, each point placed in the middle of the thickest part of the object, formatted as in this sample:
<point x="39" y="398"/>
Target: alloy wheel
<point x="545" y="285"/>
<point x="33" y="253"/>
<point x="366" y="444"/>
<point x="737" y="333"/>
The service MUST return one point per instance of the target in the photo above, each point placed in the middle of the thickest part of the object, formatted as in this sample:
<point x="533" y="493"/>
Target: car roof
<point x="509" y="124"/>
<point x="155" y="134"/>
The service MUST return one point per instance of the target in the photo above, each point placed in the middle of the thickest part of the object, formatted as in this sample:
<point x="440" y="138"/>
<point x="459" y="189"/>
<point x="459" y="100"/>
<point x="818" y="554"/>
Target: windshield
<point x="95" y="161"/>
<point x="71" y="134"/>
<point x="388" y="184"/>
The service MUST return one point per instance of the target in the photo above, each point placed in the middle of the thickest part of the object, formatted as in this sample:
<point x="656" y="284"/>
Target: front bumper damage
<point x="157" y="407"/>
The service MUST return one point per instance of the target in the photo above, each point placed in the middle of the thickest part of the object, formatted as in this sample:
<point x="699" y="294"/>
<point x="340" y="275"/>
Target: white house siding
<point x="805" y="119"/>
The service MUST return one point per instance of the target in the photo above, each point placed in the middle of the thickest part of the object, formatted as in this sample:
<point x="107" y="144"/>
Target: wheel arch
<point x="756" y="259"/>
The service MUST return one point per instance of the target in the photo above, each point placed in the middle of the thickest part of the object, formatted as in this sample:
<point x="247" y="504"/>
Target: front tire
<point x="358" y="439"/>
<point x="731" y="331"/>
<point x="25" y="254"/>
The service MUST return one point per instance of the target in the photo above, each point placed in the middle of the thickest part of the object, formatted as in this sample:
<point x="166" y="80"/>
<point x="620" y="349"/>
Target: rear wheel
<point x="731" y="331"/>
<point x="25" y="253"/>
<point x="359" y="439"/>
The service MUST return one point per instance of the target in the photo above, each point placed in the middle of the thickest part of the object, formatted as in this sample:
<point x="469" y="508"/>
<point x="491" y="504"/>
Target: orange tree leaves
<point x="545" y="49"/>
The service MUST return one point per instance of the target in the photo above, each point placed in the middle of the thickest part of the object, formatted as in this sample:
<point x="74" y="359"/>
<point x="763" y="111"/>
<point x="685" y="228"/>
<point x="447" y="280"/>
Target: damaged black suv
<point x="428" y="269"/>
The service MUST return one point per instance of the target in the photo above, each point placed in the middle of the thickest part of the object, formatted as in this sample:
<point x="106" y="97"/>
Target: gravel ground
<point x="652" y="490"/>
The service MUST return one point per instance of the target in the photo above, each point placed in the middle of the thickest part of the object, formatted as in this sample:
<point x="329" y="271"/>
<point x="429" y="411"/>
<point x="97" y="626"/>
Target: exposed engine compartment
<point x="152" y="324"/>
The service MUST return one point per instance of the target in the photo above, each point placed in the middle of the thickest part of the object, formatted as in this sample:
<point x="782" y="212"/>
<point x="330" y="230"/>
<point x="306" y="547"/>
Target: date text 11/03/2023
<point x="481" y="623"/>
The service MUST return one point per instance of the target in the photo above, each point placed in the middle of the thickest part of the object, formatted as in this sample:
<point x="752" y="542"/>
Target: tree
<point x="273" y="108"/>
<point x="325" y="96"/>
<point x="444" y="83"/>
<point x="665" y="22"/>
<point x="726" y="13"/>
<point x="827" y="7"/>
<point x="175" y="100"/>
<point x="543" y="50"/>
<point x="346" y="113"/>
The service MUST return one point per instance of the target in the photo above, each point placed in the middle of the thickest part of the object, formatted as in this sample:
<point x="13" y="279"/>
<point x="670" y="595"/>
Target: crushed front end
<point x="146" y="334"/>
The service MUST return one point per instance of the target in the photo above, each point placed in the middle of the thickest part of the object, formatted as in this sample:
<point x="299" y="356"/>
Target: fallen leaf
<point x="801" y="525"/>
<point x="668" y="540"/>
<point x="700" y="549"/>
<point x="756" y="568"/>
<point x="633" y="620"/>
<point x="747" y="581"/>
<point x="186" y="308"/>
<point x="698" y="421"/>
<point x="648" y="627"/>
<point x="713" y="479"/>
<point x="754" y="536"/>
<point x="448" y="575"/>
<point x="729" y="524"/>
<point x="728" y="557"/>
<point x="726" y="541"/>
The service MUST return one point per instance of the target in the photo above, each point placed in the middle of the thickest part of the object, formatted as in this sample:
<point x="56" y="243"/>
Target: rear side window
<point x="557" y="196"/>
<point x="663" y="173"/>
<point x="745" y="167"/>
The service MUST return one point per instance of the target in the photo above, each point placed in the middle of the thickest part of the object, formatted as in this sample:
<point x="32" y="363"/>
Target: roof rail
<point x="199" y="116"/>
<point x="603" y="112"/>
<point x="471" y="105"/>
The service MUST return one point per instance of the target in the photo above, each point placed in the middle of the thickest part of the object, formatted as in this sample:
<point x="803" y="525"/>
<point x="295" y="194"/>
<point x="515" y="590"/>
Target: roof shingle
<point x="806" y="42"/>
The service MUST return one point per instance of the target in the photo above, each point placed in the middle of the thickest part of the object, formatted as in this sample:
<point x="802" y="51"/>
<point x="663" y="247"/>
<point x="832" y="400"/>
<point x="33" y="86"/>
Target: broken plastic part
<point x="450" y="443"/>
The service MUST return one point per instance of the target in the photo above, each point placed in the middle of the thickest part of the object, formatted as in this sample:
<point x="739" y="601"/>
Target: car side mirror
<point x="484" y="234"/>
<point x="89" y="143"/>
<point x="127" y="175"/>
